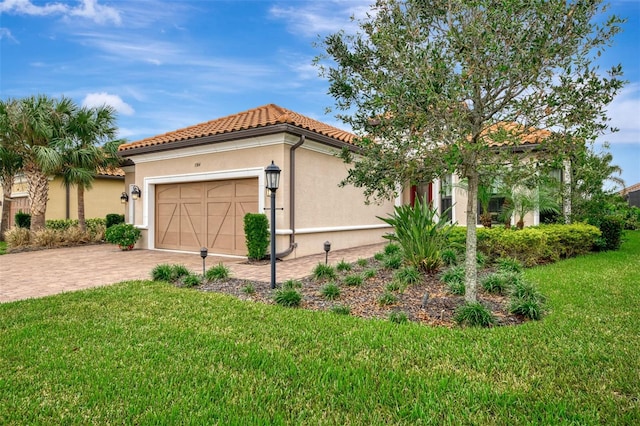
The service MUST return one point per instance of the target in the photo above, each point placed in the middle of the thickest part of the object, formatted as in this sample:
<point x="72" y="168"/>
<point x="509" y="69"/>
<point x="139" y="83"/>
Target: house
<point x="632" y="194"/>
<point x="196" y="184"/>
<point x="103" y="198"/>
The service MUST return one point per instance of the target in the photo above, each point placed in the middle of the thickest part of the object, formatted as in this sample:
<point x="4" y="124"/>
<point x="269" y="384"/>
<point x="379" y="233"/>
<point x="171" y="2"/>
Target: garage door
<point x="205" y="214"/>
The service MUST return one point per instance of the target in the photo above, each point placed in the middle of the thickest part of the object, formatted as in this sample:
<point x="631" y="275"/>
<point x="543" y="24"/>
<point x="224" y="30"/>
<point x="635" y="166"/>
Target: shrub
<point x="17" y="237"/>
<point x="330" y="291"/>
<point x="449" y="257"/>
<point x="45" y="237"/>
<point x="612" y="228"/>
<point x="454" y="279"/>
<point x="509" y="264"/>
<point x="407" y="275"/>
<point x="525" y="300"/>
<point x="391" y="248"/>
<point x="256" y="231"/>
<point x="387" y="298"/>
<point x="398" y="317"/>
<point x="191" y="280"/>
<point x="60" y="224"/>
<point x="362" y="262"/>
<point x="179" y="271"/>
<point x="249" y="288"/>
<point x="369" y="273"/>
<point x="392" y="261"/>
<point x="324" y="272"/>
<point x="113" y="219"/>
<point x="498" y="283"/>
<point x="353" y="280"/>
<point x="218" y="272"/>
<point x="74" y="235"/>
<point x="343" y="266"/>
<point x="289" y="284"/>
<point x="481" y="259"/>
<point x="474" y="314"/>
<point x="163" y="272"/>
<point x="288" y="297"/>
<point x="125" y="235"/>
<point x="379" y="256"/>
<point x="341" y="309"/>
<point x="22" y="220"/>
<point x="393" y="286"/>
<point x="418" y="233"/>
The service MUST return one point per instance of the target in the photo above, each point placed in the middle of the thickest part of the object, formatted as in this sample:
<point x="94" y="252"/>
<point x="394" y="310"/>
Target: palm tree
<point x="10" y="165"/>
<point x="33" y="125"/>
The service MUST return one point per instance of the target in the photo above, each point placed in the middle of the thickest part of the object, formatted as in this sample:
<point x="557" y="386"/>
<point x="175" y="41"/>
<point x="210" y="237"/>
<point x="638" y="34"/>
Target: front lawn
<point x="150" y="353"/>
<point x="3" y="247"/>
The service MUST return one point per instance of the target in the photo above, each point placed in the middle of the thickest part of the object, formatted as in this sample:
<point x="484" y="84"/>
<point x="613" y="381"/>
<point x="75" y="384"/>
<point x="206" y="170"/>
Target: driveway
<point x="46" y="272"/>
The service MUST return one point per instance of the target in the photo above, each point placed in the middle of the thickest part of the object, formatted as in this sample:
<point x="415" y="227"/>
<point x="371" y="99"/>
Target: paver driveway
<point x="45" y="272"/>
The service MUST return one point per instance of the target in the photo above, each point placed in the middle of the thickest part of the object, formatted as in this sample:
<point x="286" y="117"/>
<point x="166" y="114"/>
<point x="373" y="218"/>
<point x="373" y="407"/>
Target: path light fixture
<point x="135" y="192"/>
<point x="327" y="249"/>
<point x="124" y="198"/>
<point x="272" y="174"/>
<point x="203" y="255"/>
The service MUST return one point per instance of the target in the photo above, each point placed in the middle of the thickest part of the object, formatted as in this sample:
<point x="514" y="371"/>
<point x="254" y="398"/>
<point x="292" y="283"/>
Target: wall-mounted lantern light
<point x="124" y="198"/>
<point x="135" y="192"/>
<point x="327" y="249"/>
<point x="272" y="174"/>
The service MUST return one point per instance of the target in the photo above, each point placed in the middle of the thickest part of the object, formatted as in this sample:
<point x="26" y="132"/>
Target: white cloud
<point x="89" y="9"/>
<point x="623" y="112"/>
<point x="6" y="33"/>
<point x="103" y="98"/>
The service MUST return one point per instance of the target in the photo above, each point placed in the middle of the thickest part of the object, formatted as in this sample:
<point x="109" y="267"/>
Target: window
<point x="446" y="200"/>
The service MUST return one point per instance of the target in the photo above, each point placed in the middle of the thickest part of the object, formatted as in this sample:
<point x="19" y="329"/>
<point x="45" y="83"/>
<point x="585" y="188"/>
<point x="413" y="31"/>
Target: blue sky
<point x="169" y="64"/>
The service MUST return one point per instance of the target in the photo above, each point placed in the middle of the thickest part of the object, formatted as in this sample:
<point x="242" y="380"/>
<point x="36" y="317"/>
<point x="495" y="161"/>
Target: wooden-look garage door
<point x="205" y="214"/>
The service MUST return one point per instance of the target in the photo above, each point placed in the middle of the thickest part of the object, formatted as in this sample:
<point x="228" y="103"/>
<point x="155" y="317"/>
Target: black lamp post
<point x="203" y="255"/>
<point x="272" y="173"/>
<point x="327" y="248"/>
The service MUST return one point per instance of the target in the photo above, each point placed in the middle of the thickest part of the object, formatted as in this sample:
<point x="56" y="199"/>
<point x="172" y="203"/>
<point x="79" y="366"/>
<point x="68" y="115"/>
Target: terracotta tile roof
<point x="527" y="135"/>
<point x="115" y="172"/>
<point x="263" y="116"/>
<point x="632" y="188"/>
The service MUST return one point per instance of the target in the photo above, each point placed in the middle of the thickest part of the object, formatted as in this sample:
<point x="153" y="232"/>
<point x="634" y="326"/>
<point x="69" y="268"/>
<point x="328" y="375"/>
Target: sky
<point x="168" y="64"/>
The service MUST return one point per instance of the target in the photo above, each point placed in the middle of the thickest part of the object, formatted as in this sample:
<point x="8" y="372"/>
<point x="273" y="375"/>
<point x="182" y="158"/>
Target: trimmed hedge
<point x="532" y="245"/>
<point x="256" y="231"/>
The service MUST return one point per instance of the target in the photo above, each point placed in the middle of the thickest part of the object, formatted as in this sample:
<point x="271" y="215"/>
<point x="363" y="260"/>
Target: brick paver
<point x="46" y="272"/>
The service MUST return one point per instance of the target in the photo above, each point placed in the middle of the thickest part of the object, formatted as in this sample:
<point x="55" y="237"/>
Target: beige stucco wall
<point x="323" y="210"/>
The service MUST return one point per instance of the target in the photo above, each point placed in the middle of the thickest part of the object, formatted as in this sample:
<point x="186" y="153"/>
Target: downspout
<point x="292" y="199"/>
<point x="68" y="202"/>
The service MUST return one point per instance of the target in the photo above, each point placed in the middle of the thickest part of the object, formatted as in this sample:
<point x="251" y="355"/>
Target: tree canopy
<point x="441" y="86"/>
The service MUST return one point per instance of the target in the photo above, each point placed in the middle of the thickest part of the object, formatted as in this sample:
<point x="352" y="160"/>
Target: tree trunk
<point x="81" y="221"/>
<point x="471" y="262"/>
<point x="7" y="185"/>
<point x="566" y="191"/>
<point x="38" y="185"/>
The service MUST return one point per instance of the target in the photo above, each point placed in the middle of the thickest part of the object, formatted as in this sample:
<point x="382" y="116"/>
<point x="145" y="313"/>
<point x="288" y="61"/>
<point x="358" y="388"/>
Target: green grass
<point x="3" y="247"/>
<point x="146" y="352"/>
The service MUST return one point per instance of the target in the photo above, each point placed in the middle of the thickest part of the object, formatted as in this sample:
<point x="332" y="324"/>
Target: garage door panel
<point x="209" y="214"/>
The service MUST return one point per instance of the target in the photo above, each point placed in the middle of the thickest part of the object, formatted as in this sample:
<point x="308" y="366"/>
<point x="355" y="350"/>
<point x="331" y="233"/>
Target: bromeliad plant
<point x="421" y="233"/>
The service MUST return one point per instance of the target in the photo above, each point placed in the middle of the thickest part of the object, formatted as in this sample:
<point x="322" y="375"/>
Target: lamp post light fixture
<point x="327" y="248"/>
<point x="272" y="174"/>
<point x="135" y="192"/>
<point x="124" y="198"/>
<point x="203" y="255"/>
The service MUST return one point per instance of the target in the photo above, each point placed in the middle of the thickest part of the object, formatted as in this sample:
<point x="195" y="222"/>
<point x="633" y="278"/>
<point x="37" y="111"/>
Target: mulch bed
<point x="428" y="302"/>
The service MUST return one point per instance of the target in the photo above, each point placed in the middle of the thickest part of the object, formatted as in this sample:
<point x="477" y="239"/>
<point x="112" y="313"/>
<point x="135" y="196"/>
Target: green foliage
<point x="324" y="272"/>
<point x="163" y="272"/>
<point x="474" y="314"/>
<point x="421" y="233"/>
<point x="481" y="259"/>
<point x="191" y="280"/>
<point x="22" y="220"/>
<point x="362" y="262"/>
<point x="353" y="280"/>
<point x="249" y="288"/>
<point x="526" y="300"/>
<point x="17" y="237"/>
<point x="60" y="224"/>
<point x="454" y="279"/>
<point x="392" y="261"/>
<point x="612" y="228"/>
<point x="394" y="286"/>
<point x="387" y="298"/>
<point x="256" y="230"/>
<point x="330" y="291"/>
<point x="217" y="272"/>
<point x="498" y="283"/>
<point x="125" y="235"/>
<point x="341" y="309"/>
<point x="449" y="257"/>
<point x="3" y="247"/>
<point x="408" y="275"/>
<point x="291" y="284"/>
<point x="113" y="219"/>
<point x="392" y="248"/>
<point x="398" y="317"/>
<point x="179" y="271"/>
<point x="343" y="266"/>
<point x="379" y="256"/>
<point x="369" y="273"/>
<point x="288" y="297"/>
<point x="509" y="264"/>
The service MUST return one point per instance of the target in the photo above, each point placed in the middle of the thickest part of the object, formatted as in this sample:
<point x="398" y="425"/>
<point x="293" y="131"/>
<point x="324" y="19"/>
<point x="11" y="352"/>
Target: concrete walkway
<point x="46" y="272"/>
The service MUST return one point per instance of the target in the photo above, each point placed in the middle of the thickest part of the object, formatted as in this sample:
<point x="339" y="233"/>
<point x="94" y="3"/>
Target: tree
<point x="83" y="155"/>
<point x="465" y="86"/>
<point x="10" y="165"/>
<point x="34" y="124"/>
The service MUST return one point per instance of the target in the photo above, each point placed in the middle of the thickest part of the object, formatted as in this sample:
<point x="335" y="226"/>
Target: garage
<point x="209" y="214"/>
